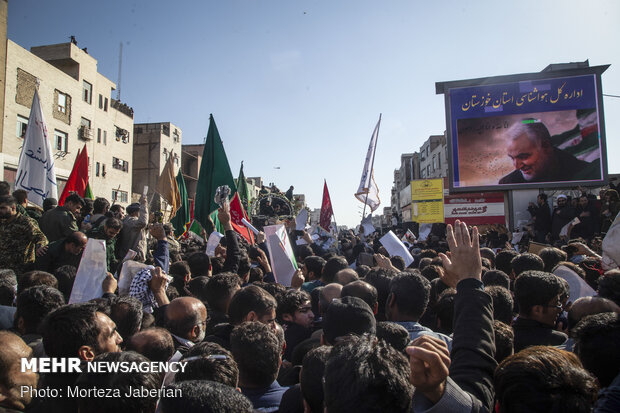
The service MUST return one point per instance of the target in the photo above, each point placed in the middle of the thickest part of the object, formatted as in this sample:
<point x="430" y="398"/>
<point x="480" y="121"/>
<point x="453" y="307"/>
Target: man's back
<point x="19" y="237"/>
<point x="58" y="223"/>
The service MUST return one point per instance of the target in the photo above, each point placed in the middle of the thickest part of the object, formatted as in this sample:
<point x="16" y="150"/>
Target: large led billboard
<point x="526" y="131"/>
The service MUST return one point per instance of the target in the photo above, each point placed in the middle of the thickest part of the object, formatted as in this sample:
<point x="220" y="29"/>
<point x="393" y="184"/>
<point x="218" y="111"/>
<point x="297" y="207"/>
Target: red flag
<point x="326" y="209"/>
<point x="237" y="213"/>
<point x="78" y="179"/>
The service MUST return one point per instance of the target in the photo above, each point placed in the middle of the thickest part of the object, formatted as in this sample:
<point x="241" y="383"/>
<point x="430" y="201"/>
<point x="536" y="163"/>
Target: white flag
<point x="283" y="263"/>
<point x="368" y="192"/>
<point x="35" y="172"/>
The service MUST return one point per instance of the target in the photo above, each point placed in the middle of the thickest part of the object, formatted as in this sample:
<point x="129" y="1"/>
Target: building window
<point x="105" y="105"/>
<point x="61" y="140"/>
<point x="428" y="170"/>
<point x="87" y="92"/>
<point x="62" y="102"/>
<point x="22" y="124"/>
<point x="103" y="170"/>
<point x="85" y="132"/>
<point x="100" y="101"/>
<point x="122" y="134"/>
<point x="165" y="129"/>
<point x="439" y="160"/>
<point x="98" y="135"/>
<point x="120" y="196"/>
<point x="105" y="137"/>
<point x="423" y="173"/>
<point x="175" y="135"/>
<point x="434" y="162"/>
<point x="120" y="164"/>
<point x="97" y="167"/>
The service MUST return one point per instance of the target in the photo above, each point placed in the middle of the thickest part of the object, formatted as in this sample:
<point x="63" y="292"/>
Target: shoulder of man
<point x="513" y="177"/>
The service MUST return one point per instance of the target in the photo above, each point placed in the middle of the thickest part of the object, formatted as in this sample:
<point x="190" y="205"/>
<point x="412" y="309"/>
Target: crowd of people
<point x="466" y="327"/>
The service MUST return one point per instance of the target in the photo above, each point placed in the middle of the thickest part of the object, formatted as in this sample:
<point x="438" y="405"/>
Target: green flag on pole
<point x="245" y="196"/>
<point x="214" y="172"/>
<point x="181" y="219"/>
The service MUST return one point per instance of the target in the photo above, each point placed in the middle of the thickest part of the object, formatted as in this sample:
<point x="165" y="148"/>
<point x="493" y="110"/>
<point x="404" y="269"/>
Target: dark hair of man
<point x="411" y="293"/>
<point x="428" y="253"/>
<point x="244" y="264"/>
<point x="302" y="252"/>
<point x="68" y="328"/>
<point x="209" y="361"/>
<point x="361" y="289"/>
<point x="5" y="188"/>
<point x="380" y="279"/>
<point x="113" y="223"/>
<point x="291" y="301"/>
<point x="362" y="270"/>
<point x="596" y="344"/>
<point x="256" y="274"/>
<point x="496" y="277"/>
<point x="544" y="379"/>
<point x="364" y="375"/>
<point x="444" y="311"/>
<point x="347" y="316"/>
<point x="300" y="352"/>
<point x="8" y="276"/>
<point x="8" y="200"/>
<point x="126" y="312"/>
<point x="609" y="286"/>
<point x="551" y="257"/>
<point x="199" y="263"/>
<point x="49" y="203"/>
<point x="115" y="208"/>
<point x="489" y="254"/>
<point x="7" y="293"/>
<point x="217" y="264"/>
<point x="20" y="196"/>
<point x="220" y="289"/>
<point x="275" y="289"/>
<point x="201" y="396"/>
<point x="503" y="303"/>
<point x="87" y="208"/>
<point x="100" y="205"/>
<point x="526" y="262"/>
<point x="592" y="271"/>
<point x="398" y="262"/>
<point x="437" y="287"/>
<point x="311" y="378"/>
<point x="75" y="199"/>
<point x="148" y="320"/>
<point x="314" y="264"/>
<point x="34" y="278"/>
<point x="535" y="288"/>
<point x="430" y="272"/>
<point x="197" y="286"/>
<point x="256" y="350"/>
<point x="331" y="268"/>
<point x="504" y="340"/>
<point x="34" y="303"/>
<point x="124" y="382"/>
<point x="179" y="271"/>
<point x="157" y="343"/>
<point x="543" y="196"/>
<point x="503" y="260"/>
<point x="424" y="262"/>
<point x="250" y="298"/>
<point x="394" y="334"/>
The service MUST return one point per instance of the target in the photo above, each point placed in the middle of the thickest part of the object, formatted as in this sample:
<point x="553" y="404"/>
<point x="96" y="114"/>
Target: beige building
<point x="78" y="109"/>
<point x="153" y="144"/>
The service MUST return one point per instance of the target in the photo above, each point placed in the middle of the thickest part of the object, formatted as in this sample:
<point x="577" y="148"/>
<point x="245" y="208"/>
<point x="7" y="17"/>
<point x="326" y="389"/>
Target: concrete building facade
<point x="434" y="158"/>
<point x="79" y="111"/>
<point x="154" y="143"/>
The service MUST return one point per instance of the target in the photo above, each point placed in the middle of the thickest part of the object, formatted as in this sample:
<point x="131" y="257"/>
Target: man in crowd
<point x="542" y="217"/>
<point x="108" y="232"/>
<point x="133" y="234"/>
<point x="20" y="237"/>
<point x="61" y="221"/>
<point x="561" y="216"/>
<point x="537" y="294"/>
<point x="66" y="251"/>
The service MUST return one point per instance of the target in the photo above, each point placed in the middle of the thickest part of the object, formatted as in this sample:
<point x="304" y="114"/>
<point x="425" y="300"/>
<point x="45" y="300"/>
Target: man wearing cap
<point x="133" y="234"/>
<point x="561" y="215"/>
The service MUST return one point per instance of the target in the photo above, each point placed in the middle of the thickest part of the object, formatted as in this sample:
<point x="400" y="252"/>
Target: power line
<point x="611" y="96"/>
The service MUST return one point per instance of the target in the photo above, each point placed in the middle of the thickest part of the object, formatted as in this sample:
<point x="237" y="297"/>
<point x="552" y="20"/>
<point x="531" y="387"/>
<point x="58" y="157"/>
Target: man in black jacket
<point x="542" y="217"/>
<point x="538" y="295"/>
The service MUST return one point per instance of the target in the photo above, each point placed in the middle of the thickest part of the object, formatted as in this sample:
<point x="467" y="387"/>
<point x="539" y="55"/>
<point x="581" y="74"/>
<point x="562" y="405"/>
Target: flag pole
<point x="372" y="168"/>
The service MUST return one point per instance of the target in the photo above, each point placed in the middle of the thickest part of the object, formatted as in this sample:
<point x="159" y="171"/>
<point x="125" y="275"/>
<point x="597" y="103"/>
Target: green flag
<point x="214" y="172"/>
<point x="88" y="193"/>
<point x="181" y="219"/>
<point x="245" y="196"/>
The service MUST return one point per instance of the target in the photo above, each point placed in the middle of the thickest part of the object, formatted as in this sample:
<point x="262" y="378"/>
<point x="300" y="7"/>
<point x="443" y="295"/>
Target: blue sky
<point x="300" y="84"/>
